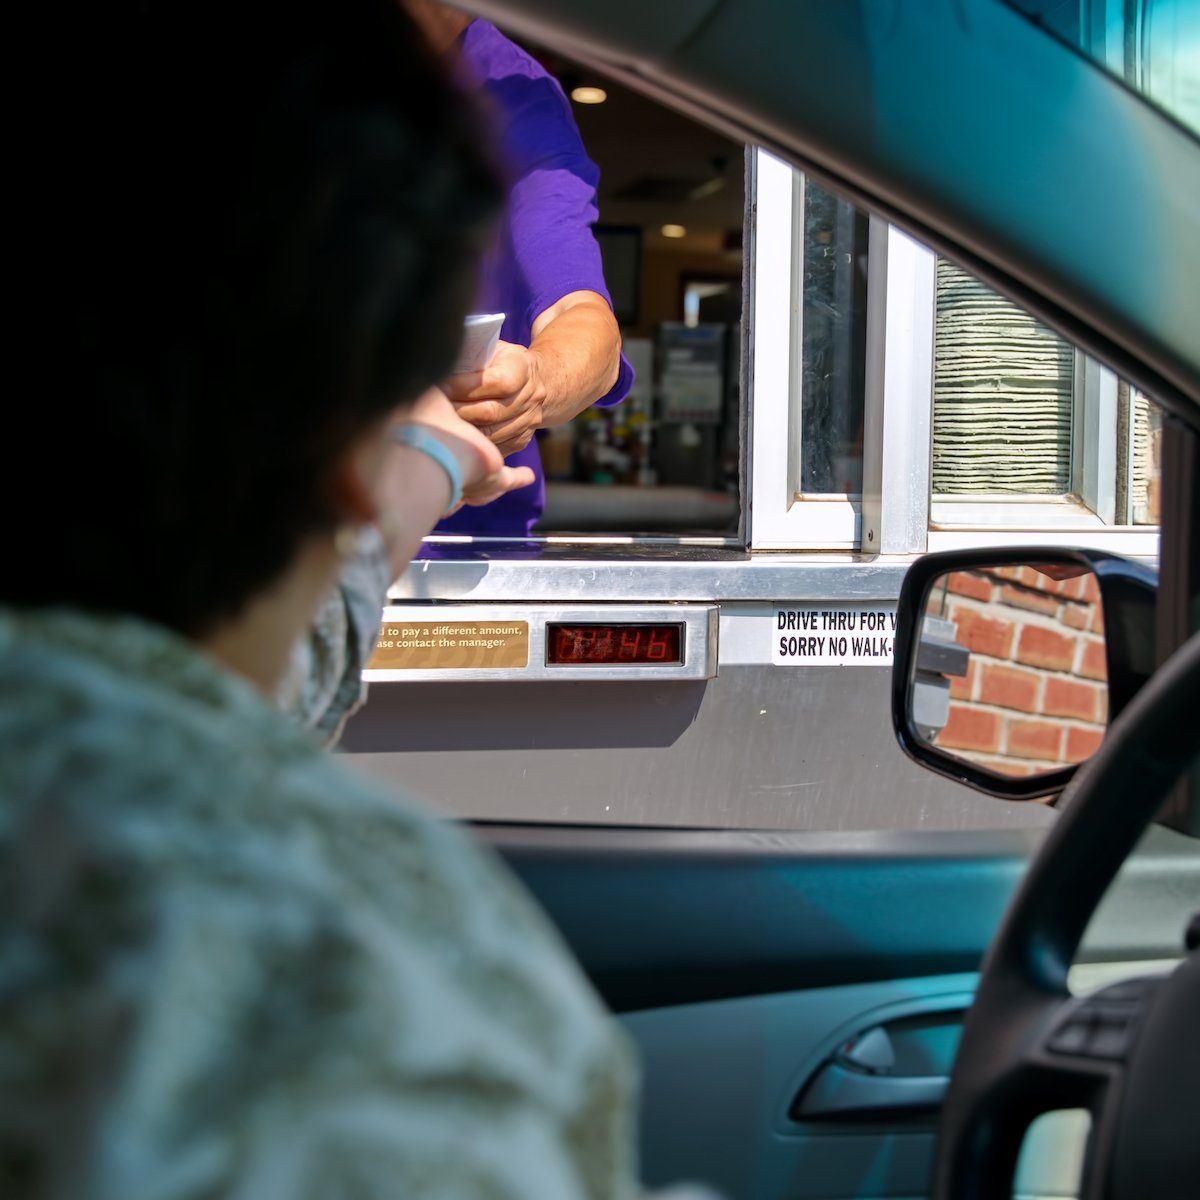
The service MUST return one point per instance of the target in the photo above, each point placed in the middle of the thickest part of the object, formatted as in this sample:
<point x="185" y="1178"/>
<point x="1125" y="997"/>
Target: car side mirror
<point x="1009" y="664"/>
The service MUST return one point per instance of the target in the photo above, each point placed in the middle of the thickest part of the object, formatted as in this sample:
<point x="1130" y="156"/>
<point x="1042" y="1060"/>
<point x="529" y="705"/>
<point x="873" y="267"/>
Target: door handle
<point x="861" y="1080"/>
<point x="838" y="1092"/>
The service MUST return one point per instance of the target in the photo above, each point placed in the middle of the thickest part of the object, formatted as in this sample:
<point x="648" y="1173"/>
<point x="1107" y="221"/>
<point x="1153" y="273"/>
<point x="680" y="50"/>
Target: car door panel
<point x="742" y="963"/>
<point x="661" y="917"/>
<point x="722" y="1077"/>
<point x="664" y="917"/>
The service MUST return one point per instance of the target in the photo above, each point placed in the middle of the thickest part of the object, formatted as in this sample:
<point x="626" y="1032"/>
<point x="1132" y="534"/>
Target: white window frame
<point x="1086" y="518"/>
<point x="897" y="513"/>
<point x="897" y="425"/>
<point x="779" y="518"/>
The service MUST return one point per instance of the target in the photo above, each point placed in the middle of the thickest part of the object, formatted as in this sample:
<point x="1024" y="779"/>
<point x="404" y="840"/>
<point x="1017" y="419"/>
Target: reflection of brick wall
<point x="1034" y="695"/>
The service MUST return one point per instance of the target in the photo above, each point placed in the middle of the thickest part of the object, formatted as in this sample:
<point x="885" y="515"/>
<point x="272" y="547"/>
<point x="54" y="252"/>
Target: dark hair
<point x="260" y="229"/>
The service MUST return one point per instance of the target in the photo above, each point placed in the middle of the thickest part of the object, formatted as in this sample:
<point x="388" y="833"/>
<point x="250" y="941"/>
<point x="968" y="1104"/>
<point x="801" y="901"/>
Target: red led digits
<point x="613" y="645"/>
<point x="663" y="644"/>
<point x="631" y="640"/>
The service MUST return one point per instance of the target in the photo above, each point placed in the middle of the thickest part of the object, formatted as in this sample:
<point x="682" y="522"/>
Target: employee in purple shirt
<point x="560" y="348"/>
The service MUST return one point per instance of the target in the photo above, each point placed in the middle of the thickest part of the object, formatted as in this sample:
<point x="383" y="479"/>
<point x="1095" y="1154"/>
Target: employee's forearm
<point x="579" y="356"/>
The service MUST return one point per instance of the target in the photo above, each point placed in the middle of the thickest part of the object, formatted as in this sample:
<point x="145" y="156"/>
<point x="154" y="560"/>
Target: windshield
<point x="1153" y="46"/>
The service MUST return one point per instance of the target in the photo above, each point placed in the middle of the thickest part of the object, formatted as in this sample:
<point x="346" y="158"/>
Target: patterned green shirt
<point x="229" y="967"/>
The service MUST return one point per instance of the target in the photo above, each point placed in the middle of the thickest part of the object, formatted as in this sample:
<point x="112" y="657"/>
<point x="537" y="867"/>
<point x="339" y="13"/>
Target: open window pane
<point x="664" y="463"/>
<point x="671" y="198"/>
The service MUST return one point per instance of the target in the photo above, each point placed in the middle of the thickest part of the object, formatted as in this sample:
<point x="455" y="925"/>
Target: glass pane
<point x="1002" y="394"/>
<point x="1016" y="678"/>
<point x="1146" y="459"/>
<point x="1021" y="418"/>
<point x="834" y="331"/>
<point x="1152" y="45"/>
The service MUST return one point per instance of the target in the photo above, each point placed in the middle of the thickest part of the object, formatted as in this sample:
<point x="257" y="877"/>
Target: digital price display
<point x="613" y="645"/>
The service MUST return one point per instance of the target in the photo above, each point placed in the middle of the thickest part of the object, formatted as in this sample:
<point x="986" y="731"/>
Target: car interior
<point x="844" y="1015"/>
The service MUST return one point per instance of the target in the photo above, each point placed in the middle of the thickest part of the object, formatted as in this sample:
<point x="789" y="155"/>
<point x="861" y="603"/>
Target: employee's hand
<point x="506" y="400"/>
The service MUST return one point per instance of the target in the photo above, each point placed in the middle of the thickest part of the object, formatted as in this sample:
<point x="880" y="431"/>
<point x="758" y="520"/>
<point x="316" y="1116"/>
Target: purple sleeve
<point x="621" y="388"/>
<point x="551" y="202"/>
<point x="552" y="195"/>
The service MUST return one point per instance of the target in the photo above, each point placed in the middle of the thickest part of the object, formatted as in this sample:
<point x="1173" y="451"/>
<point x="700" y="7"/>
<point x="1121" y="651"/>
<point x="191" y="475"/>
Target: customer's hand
<point x="481" y="461"/>
<point x="506" y="400"/>
<point x="412" y="489"/>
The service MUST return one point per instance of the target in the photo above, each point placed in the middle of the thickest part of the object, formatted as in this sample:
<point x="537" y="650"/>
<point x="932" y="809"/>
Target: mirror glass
<point x="1009" y="672"/>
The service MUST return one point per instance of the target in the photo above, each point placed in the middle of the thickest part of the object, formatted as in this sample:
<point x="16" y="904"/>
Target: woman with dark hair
<point x="228" y="967"/>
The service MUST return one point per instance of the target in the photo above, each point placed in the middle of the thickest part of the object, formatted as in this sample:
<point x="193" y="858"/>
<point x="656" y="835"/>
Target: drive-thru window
<point x="698" y="633"/>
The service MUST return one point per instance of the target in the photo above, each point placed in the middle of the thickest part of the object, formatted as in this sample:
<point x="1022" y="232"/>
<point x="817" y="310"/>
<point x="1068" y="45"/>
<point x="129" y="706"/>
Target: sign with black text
<point x="833" y="635"/>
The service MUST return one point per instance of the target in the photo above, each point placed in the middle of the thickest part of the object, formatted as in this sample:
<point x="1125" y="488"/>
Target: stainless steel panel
<point x="538" y="573"/>
<point x="758" y="747"/>
<point x="699" y="641"/>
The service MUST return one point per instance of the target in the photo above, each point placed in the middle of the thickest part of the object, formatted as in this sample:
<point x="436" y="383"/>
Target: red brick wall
<point x="1034" y="695"/>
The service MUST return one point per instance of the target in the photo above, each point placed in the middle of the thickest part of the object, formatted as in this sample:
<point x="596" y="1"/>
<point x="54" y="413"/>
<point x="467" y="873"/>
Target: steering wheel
<point x="1128" y="1053"/>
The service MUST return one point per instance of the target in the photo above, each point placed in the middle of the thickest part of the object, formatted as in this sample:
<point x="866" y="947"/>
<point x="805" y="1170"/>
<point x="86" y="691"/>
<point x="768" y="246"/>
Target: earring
<point x="345" y="541"/>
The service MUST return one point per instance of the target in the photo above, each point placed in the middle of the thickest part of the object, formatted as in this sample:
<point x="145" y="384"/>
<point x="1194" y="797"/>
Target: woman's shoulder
<point x="130" y="747"/>
<point x="142" y="744"/>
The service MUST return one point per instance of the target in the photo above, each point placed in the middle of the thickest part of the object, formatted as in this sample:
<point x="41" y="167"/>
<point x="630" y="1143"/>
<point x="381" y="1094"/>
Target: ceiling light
<point x="673" y="231"/>
<point x="709" y="188"/>
<point x="589" y="95"/>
